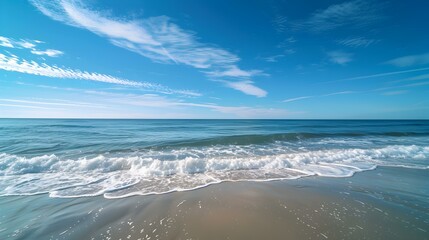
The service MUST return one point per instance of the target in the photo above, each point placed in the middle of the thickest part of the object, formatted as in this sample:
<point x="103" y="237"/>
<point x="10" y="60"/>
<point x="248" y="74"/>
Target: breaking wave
<point x="155" y="171"/>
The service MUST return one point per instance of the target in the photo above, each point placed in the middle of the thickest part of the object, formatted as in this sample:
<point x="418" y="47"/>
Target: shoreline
<point x="370" y="205"/>
<point x="133" y="194"/>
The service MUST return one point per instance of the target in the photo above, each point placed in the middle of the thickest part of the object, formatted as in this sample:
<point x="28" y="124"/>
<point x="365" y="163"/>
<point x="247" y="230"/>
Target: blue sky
<point x="214" y="59"/>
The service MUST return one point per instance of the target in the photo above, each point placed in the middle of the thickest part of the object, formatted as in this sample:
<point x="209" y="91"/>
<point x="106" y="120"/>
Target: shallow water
<point x="387" y="203"/>
<point x="120" y="158"/>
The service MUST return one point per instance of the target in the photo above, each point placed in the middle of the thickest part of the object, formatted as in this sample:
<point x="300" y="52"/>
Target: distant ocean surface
<point x="119" y="158"/>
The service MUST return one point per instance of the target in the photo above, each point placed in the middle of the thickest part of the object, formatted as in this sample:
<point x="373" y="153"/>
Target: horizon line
<point x="279" y="119"/>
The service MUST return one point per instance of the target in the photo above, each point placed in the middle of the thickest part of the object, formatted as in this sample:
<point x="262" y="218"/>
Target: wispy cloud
<point x="356" y="14"/>
<point x="169" y="104"/>
<point x="5" y="42"/>
<point x="392" y="93"/>
<point x="280" y="23"/>
<point x="357" y="42"/>
<point x="317" y="96"/>
<point x="156" y="38"/>
<point x="235" y="72"/>
<point x="251" y="112"/>
<point x="419" y="77"/>
<point x="339" y="93"/>
<point x="287" y="45"/>
<point x="296" y="99"/>
<point x="24" y="106"/>
<point x="48" y="52"/>
<point x="387" y="91"/>
<point x="418" y="84"/>
<point x="28" y="44"/>
<point x="274" y="58"/>
<point x="15" y="64"/>
<point x="415" y="78"/>
<point x="12" y="43"/>
<point x="53" y="103"/>
<point x="246" y="87"/>
<point x="408" y="85"/>
<point x="410" y="60"/>
<point x="340" y="57"/>
<point x="380" y="75"/>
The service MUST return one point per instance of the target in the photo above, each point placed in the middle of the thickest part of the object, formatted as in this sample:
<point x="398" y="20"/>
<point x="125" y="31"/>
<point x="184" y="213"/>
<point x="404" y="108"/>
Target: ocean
<point x="68" y="158"/>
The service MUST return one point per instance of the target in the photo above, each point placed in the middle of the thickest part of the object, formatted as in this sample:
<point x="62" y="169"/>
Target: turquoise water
<point x="118" y="158"/>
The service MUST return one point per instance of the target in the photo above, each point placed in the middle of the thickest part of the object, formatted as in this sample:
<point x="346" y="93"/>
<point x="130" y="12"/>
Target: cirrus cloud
<point x="410" y="60"/>
<point x="340" y="57"/>
<point x="28" y="44"/>
<point x="356" y="14"/>
<point x="156" y="38"/>
<point x="246" y="87"/>
<point x="15" y="64"/>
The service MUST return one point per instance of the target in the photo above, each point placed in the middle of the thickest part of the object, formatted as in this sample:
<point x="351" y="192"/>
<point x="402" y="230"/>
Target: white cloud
<point x="355" y="14"/>
<point x="5" y="42"/>
<point x="393" y="93"/>
<point x="28" y="44"/>
<point x="170" y="104"/>
<point x="340" y="57"/>
<point x="380" y="75"/>
<point x="289" y="51"/>
<point x="339" y="93"/>
<point x="14" y="64"/>
<point x="291" y="40"/>
<point x="386" y="91"/>
<point x="54" y="103"/>
<point x="23" y="106"/>
<point x="415" y="78"/>
<point x="132" y="105"/>
<point x="280" y="23"/>
<point x="234" y="71"/>
<point x="419" y="77"/>
<point x="410" y="60"/>
<point x="287" y="45"/>
<point x="417" y="84"/>
<point x="48" y="52"/>
<point x="317" y="96"/>
<point x="250" y="112"/>
<point x="156" y="38"/>
<point x="238" y="111"/>
<point x="274" y="58"/>
<point x="357" y="42"/>
<point x="246" y="87"/>
<point x="94" y="22"/>
<point x="297" y="99"/>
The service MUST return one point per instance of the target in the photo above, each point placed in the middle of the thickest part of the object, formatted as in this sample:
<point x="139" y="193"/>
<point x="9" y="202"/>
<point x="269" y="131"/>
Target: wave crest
<point x="159" y="171"/>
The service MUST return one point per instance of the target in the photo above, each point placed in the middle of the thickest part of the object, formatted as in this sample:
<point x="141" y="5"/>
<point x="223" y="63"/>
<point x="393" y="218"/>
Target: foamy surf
<point x="188" y="168"/>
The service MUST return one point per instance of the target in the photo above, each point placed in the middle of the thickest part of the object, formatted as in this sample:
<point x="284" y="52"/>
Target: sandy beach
<point x="370" y="205"/>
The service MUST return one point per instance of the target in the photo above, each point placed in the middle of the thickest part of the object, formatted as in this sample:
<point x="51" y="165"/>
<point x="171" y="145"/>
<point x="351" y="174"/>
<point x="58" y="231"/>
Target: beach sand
<point x="370" y="205"/>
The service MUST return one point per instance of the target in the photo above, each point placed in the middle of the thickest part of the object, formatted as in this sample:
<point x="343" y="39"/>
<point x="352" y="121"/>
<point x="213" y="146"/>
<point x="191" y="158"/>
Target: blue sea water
<point x="119" y="158"/>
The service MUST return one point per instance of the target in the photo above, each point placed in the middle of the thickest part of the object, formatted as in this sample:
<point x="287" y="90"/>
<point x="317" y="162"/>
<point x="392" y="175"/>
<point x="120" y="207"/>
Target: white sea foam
<point x="155" y="172"/>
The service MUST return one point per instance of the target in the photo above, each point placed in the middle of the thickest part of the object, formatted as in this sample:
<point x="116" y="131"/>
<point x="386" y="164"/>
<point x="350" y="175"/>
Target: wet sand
<point x="379" y="204"/>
